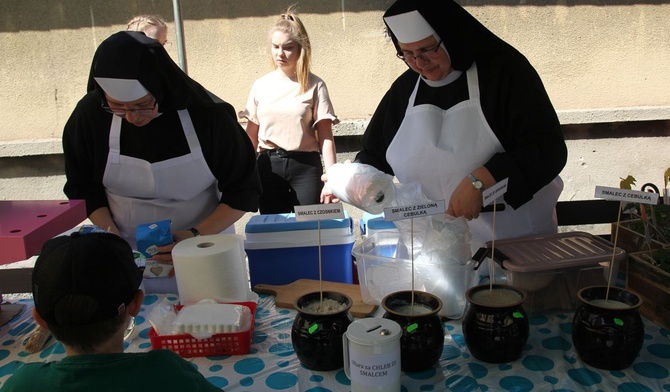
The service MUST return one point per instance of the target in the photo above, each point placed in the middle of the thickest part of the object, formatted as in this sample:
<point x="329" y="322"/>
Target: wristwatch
<point x="477" y="184"/>
<point x="195" y="231"/>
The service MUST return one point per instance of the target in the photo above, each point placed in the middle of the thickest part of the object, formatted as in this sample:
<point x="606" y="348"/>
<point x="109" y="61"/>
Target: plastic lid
<point x="375" y="222"/>
<point x="553" y="251"/>
<point x="380" y="223"/>
<point x="373" y="331"/>
<point x="286" y="222"/>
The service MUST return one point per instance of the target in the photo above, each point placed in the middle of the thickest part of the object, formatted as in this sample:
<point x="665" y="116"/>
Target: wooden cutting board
<point x="287" y="294"/>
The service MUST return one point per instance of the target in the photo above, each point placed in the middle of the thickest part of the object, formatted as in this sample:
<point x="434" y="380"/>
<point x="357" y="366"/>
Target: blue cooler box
<point x="281" y="250"/>
<point x="371" y="224"/>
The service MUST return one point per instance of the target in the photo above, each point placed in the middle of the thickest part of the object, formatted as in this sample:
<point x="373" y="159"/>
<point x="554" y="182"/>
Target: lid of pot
<point x="373" y="331"/>
<point x="552" y="251"/>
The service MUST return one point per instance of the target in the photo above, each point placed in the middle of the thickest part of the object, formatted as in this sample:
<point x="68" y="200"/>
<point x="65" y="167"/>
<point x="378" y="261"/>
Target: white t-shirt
<point x="287" y="119"/>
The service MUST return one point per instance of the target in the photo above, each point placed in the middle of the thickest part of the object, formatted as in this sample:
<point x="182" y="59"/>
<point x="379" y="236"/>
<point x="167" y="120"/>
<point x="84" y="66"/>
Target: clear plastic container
<point x="552" y="268"/>
<point x="384" y="267"/>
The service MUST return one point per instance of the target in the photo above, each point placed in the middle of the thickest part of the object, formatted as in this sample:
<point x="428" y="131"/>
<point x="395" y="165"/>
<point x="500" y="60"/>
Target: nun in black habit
<point x="468" y="113"/>
<point x="148" y="143"/>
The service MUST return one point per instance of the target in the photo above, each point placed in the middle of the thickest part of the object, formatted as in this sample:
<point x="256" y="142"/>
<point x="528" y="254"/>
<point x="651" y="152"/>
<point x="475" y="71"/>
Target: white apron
<point x="182" y="189"/>
<point x="445" y="146"/>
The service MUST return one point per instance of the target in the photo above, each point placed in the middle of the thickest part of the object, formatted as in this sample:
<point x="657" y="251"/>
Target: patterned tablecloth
<point x="549" y="362"/>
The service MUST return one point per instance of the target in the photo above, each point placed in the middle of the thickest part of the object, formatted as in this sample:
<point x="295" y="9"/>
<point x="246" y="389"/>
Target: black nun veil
<point x="464" y="37"/>
<point x="134" y="56"/>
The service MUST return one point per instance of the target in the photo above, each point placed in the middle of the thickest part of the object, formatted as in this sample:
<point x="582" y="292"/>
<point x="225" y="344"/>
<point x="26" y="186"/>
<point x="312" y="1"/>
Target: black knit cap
<point x="84" y="279"/>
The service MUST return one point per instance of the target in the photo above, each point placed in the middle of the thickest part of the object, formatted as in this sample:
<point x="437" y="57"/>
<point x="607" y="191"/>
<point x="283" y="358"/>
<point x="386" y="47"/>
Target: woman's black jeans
<point x="289" y="178"/>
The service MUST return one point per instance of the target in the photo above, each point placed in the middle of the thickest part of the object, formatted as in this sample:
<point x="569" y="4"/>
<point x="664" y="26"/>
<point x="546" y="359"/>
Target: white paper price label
<point x="491" y="194"/>
<point x="319" y="212"/>
<point x="628" y="195"/>
<point x="414" y="211"/>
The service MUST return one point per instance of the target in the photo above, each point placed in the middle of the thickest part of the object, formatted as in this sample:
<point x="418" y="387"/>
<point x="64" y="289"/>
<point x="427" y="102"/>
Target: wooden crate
<point x="653" y="285"/>
<point x="632" y="241"/>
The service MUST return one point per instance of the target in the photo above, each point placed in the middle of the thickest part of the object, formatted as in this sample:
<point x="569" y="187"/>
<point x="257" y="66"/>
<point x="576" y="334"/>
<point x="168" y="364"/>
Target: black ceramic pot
<point x="607" y="334"/>
<point x="422" y="337"/>
<point x="495" y="325"/>
<point x="317" y="336"/>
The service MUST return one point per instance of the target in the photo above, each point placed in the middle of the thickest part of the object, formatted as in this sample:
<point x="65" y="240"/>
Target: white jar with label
<point x="372" y="355"/>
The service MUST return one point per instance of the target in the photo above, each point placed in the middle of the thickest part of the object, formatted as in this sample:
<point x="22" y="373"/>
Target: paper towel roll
<point x="362" y="186"/>
<point x="211" y="266"/>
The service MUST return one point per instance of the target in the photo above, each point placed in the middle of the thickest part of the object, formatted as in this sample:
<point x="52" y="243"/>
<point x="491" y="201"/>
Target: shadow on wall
<point x="38" y="15"/>
<point x="23" y="15"/>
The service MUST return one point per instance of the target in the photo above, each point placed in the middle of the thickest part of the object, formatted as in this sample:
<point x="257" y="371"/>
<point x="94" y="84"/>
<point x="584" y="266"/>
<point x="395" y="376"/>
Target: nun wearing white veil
<point x="149" y="143"/>
<point x="469" y="112"/>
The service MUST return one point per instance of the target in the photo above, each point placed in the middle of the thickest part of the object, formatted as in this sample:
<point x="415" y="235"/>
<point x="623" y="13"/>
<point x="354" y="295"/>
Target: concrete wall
<point x="602" y="61"/>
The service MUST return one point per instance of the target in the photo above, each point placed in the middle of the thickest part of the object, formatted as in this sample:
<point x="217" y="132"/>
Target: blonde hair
<point x="144" y="22"/>
<point x="290" y="24"/>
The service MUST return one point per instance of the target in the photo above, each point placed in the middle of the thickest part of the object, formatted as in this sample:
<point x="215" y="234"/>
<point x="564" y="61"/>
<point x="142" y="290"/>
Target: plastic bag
<point x="150" y="236"/>
<point x="439" y="239"/>
<point x="362" y="186"/>
<point x="162" y="316"/>
<point x="447" y="241"/>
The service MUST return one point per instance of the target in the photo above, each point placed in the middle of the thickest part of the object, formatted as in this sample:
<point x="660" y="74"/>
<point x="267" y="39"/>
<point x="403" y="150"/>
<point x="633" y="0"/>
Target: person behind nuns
<point x="151" y="25"/>
<point x="290" y="122"/>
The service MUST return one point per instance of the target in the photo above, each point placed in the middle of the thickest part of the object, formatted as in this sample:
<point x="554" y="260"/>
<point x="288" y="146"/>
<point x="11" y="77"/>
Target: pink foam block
<point x="26" y="225"/>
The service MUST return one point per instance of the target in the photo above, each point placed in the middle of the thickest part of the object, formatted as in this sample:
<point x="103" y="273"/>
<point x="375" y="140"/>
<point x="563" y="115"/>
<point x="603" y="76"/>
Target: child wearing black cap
<point x="86" y="289"/>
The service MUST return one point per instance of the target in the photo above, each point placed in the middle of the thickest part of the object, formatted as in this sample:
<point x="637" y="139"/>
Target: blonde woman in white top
<point x="290" y="119"/>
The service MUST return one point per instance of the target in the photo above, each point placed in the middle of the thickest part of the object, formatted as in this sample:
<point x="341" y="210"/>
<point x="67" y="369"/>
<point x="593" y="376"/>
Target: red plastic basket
<point x="218" y="344"/>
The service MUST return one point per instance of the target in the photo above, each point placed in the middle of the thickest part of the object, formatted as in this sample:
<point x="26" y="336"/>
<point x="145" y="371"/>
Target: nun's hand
<point x="466" y="201"/>
<point x="327" y="196"/>
<point x="164" y="256"/>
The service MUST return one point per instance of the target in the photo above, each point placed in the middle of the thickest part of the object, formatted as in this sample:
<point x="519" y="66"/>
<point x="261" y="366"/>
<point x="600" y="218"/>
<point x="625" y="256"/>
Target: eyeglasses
<point x="137" y="112"/>
<point x="425" y="54"/>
